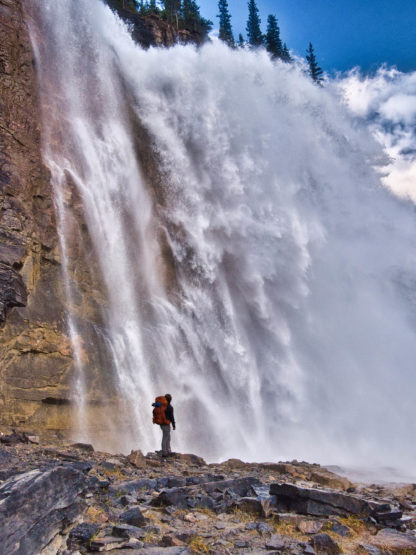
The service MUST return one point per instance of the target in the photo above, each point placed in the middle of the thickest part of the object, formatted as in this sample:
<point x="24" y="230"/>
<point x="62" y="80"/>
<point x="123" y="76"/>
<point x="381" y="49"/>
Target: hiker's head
<point x="168" y="397"/>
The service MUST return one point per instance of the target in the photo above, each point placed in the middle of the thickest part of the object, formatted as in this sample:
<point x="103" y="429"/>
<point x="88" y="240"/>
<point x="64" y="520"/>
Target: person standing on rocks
<point x="164" y="416"/>
<point x="166" y="450"/>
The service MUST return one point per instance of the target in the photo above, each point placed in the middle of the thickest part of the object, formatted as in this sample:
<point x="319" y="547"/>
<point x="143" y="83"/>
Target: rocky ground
<point x="69" y="499"/>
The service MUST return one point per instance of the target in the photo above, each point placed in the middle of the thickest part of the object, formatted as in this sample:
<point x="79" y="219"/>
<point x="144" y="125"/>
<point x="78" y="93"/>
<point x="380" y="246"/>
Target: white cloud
<point x="387" y="101"/>
<point x="401" y="107"/>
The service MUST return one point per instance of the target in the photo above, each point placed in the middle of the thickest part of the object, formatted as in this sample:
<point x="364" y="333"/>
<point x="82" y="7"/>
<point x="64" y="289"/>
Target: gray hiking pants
<point x="165" y="439"/>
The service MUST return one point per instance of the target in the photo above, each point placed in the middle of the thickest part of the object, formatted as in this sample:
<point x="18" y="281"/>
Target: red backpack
<point x="159" y="411"/>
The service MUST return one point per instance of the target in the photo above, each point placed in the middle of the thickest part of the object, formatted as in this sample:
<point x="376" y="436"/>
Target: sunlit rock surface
<point x="36" y="360"/>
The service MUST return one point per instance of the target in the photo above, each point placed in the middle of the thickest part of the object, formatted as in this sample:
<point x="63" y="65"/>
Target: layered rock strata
<point x="29" y="261"/>
<point x="36" y="357"/>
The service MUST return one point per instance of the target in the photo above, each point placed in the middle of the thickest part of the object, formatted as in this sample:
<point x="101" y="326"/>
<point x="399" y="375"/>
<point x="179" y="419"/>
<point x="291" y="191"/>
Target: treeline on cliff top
<point x="185" y="14"/>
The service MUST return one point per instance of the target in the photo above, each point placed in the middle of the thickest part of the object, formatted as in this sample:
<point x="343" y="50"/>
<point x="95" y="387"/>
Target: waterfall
<point x="253" y="264"/>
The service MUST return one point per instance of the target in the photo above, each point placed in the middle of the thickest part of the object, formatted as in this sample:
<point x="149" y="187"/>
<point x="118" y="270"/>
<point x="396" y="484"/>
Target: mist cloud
<point x="387" y="101"/>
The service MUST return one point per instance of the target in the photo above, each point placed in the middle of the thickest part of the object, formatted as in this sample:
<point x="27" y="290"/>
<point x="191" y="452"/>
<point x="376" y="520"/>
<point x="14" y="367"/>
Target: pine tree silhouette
<point x="273" y="41"/>
<point x="314" y="70"/>
<point x="254" y="34"/>
<point x="226" y="32"/>
<point x="171" y="10"/>
<point x="286" y="57"/>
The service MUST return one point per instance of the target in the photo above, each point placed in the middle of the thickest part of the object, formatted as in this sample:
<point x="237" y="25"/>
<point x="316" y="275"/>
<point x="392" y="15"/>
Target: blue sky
<point x="345" y="33"/>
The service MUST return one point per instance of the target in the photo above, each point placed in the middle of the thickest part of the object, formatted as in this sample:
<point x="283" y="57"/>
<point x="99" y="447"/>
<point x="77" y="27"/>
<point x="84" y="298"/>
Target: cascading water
<point x="262" y="276"/>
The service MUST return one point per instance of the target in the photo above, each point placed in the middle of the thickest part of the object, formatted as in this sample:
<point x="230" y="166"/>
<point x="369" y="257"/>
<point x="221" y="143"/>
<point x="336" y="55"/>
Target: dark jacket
<point x="169" y="414"/>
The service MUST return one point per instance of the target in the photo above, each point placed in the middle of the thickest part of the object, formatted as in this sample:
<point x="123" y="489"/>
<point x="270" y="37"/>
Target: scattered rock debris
<point x="71" y="500"/>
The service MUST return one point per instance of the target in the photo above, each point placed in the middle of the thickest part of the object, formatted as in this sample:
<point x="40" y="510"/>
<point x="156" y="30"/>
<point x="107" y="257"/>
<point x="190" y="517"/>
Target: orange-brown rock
<point x="136" y="458"/>
<point x="36" y="359"/>
<point x="327" y="478"/>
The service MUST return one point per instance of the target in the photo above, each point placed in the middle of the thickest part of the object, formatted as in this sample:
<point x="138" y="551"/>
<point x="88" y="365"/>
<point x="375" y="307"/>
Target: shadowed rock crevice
<point x="12" y="290"/>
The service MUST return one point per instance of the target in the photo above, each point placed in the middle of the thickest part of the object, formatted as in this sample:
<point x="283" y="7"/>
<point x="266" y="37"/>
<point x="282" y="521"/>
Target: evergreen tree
<point x="241" y="41"/>
<point x="192" y="18"/>
<point x="148" y="7"/>
<point x="190" y="13"/>
<point x="286" y="57"/>
<point x="314" y="70"/>
<point x="226" y="32"/>
<point x="254" y="34"/>
<point x="172" y="8"/>
<point x="273" y="42"/>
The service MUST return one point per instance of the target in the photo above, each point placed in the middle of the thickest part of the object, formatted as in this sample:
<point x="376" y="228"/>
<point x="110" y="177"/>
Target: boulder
<point x="134" y="517"/>
<point x="241" y="544"/>
<point x="137" y="459"/>
<point x="325" y="545"/>
<point x="233" y="464"/>
<point x="34" y="439"/>
<point x="288" y="518"/>
<point x="240" y="486"/>
<point x="14" y="438"/>
<point x="83" y="447"/>
<point x="171" y="541"/>
<point x="81" y="535"/>
<point x="189" y="459"/>
<point x="176" y="481"/>
<point x="277" y="542"/>
<point x="36" y="506"/>
<point x="126" y="500"/>
<point x="310" y="526"/>
<point x="280" y="468"/>
<point x="127" y="531"/>
<point x="255" y="506"/>
<point x="388" y="516"/>
<point x="340" y="529"/>
<point x="133" y="486"/>
<point x="249" y="505"/>
<point x="219" y="495"/>
<point x="316" y="502"/>
<point x="108" y="543"/>
<point x="394" y="540"/>
<point x="203" y="478"/>
<point x="175" y="497"/>
<point x="263" y="528"/>
<point x="329" y="479"/>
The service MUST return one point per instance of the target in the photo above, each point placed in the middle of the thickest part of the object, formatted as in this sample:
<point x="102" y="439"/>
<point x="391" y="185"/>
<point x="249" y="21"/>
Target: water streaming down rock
<point x="253" y="264"/>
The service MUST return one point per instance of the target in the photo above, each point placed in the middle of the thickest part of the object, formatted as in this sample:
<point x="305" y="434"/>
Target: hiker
<point x="163" y="415"/>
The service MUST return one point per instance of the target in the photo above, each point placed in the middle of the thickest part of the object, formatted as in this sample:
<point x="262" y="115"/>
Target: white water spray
<point x="286" y="330"/>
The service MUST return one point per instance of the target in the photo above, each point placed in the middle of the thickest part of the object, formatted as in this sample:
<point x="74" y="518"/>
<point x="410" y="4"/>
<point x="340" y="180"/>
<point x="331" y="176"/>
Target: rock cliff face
<point x="35" y="350"/>
<point x="37" y="368"/>
<point x="151" y="30"/>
